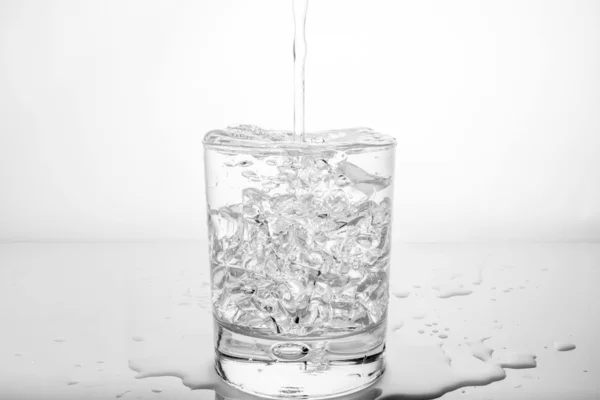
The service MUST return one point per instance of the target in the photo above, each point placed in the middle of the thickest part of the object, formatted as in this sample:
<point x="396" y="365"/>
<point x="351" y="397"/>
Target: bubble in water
<point x="564" y="346"/>
<point x="239" y="163"/>
<point x="249" y="174"/>
<point x="290" y="351"/>
<point x="443" y="336"/>
<point x="421" y="331"/>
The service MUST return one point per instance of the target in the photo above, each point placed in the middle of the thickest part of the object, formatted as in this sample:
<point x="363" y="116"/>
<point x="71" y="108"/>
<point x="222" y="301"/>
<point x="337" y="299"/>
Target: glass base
<point x="299" y="368"/>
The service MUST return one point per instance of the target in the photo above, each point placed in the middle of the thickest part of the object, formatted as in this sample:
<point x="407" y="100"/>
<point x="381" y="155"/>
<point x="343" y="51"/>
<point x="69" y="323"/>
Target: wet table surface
<point x="79" y="318"/>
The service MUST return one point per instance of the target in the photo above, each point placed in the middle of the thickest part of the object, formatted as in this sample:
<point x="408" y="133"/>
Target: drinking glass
<point x="299" y="245"/>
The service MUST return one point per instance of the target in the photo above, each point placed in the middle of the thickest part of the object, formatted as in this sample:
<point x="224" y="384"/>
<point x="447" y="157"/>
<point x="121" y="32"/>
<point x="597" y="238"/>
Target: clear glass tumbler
<point x="299" y="243"/>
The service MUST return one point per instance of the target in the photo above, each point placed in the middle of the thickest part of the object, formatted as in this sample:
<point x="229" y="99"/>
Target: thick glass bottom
<point x="299" y="368"/>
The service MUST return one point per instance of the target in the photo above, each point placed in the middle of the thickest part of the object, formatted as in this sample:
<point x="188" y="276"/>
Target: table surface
<point x="75" y="316"/>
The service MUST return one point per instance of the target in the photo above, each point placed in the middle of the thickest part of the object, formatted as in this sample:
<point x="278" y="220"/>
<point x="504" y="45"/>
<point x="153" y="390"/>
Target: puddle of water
<point x="415" y="371"/>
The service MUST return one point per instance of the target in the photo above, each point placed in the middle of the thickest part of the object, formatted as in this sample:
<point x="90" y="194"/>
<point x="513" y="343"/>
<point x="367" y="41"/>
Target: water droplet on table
<point x="156" y="390"/>
<point x="453" y="292"/>
<point x="479" y="277"/>
<point x="401" y="294"/>
<point x="71" y="383"/>
<point x="564" y="346"/>
<point x="137" y="339"/>
<point x="119" y="395"/>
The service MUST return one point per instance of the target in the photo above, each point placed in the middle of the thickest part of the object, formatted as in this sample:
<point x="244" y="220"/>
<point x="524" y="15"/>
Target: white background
<point x="495" y="106"/>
